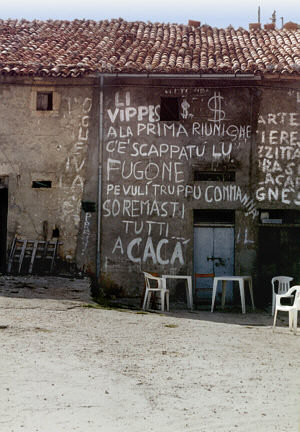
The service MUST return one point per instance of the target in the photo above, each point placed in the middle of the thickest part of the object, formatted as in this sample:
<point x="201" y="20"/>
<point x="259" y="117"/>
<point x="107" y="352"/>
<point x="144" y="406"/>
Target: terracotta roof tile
<point x="83" y="47"/>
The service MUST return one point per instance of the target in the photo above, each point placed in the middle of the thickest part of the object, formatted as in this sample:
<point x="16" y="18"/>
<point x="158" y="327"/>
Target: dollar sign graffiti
<point x="185" y="109"/>
<point x="215" y="105"/>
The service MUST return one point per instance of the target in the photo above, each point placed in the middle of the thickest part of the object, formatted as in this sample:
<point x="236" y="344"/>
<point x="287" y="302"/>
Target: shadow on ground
<point x="229" y="315"/>
<point x="46" y="287"/>
<point x="79" y="289"/>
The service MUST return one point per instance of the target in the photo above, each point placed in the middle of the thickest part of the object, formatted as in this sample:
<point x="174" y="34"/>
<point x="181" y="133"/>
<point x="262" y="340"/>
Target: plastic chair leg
<point x="251" y="293"/>
<point x="215" y="286"/>
<point x="148" y="299"/>
<point x="274" y="322"/>
<point x="162" y="301"/>
<point x="295" y="319"/>
<point x="273" y="304"/>
<point x="291" y="319"/>
<point x="242" y="293"/>
<point x="167" y="301"/>
<point x="145" y="300"/>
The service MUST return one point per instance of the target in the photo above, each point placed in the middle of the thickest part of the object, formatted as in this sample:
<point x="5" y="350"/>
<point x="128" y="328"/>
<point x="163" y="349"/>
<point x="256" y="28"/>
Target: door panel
<point x="213" y="253"/>
<point x="223" y="251"/>
<point x="203" y="248"/>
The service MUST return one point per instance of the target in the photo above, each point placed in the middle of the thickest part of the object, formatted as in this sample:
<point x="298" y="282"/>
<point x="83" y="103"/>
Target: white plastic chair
<point x="283" y="285"/>
<point x="292" y="310"/>
<point x="160" y="286"/>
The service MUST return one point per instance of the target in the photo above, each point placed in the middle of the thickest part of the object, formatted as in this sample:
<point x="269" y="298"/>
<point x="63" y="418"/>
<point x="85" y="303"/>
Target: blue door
<point x="213" y="253"/>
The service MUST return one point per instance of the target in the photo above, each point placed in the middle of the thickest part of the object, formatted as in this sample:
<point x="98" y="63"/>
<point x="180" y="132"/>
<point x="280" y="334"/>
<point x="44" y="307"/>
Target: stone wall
<point x="156" y="173"/>
<point x="170" y="151"/>
<point x="44" y="159"/>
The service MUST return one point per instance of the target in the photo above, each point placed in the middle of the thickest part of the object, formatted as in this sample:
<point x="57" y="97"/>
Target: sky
<point x="216" y="13"/>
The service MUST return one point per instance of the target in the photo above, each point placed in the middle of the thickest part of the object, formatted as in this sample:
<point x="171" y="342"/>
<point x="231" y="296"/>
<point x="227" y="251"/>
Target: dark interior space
<point x="3" y="227"/>
<point x="279" y="255"/>
<point x="213" y="217"/>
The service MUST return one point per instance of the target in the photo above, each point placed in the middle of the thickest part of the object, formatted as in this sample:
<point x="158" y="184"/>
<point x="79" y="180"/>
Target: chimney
<point x="255" y="26"/>
<point x="291" y="26"/>
<point x="269" y="26"/>
<point x="194" y="23"/>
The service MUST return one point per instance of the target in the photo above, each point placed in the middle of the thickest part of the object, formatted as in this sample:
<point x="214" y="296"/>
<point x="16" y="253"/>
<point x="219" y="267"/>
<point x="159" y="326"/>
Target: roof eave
<point x="282" y="76"/>
<point x="194" y="76"/>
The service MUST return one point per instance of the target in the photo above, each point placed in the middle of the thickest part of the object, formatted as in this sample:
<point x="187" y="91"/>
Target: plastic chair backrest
<point x="283" y="284"/>
<point x="297" y="297"/>
<point x="294" y="291"/>
<point x="153" y="277"/>
<point x="147" y="284"/>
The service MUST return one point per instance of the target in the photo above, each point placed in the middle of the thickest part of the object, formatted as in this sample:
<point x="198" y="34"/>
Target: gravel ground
<point x="67" y="365"/>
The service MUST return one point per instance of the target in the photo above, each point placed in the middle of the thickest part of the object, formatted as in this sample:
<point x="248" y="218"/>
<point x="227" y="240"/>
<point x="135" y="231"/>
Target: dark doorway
<point x="279" y="255"/>
<point x="3" y="227"/>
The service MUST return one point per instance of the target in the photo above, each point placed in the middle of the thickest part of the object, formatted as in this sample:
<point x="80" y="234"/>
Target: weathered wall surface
<point x="278" y="149"/>
<point x="278" y="184"/>
<point x="47" y="146"/>
<point x="150" y="190"/>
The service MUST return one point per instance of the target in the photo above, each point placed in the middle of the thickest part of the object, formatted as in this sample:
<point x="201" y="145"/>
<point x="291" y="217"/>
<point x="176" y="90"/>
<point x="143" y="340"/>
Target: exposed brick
<point x="291" y="26"/>
<point x="255" y="26"/>
<point x="194" y="23"/>
<point x="270" y="26"/>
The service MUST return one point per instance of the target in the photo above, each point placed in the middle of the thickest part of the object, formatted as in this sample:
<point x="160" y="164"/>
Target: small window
<point x="214" y="217"/>
<point x="44" y="101"/>
<point x="169" y="109"/>
<point x="278" y="216"/>
<point x="217" y="176"/>
<point x="55" y="233"/>
<point x="41" y="184"/>
<point x="88" y="206"/>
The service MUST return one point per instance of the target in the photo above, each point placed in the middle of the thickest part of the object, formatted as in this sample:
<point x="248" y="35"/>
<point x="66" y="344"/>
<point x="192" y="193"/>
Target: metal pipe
<point x="237" y="76"/>
<point x="98" y="252"/>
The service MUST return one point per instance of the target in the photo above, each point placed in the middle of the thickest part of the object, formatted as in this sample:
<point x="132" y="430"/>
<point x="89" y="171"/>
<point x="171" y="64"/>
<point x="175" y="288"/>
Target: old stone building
<point x="158" y="147"/>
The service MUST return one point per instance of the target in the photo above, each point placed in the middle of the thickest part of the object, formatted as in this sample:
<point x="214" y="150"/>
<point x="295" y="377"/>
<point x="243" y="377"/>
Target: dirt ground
<point x="68" y="367"/>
